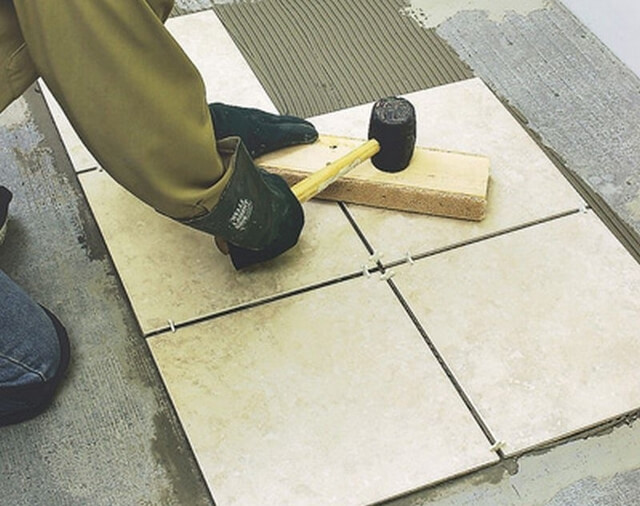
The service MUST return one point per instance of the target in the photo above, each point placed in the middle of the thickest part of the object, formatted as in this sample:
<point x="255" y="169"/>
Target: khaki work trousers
<point x="133" y="96"/>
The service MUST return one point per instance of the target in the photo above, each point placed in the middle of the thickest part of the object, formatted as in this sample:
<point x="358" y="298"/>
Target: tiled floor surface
<point x="519" y="329"/>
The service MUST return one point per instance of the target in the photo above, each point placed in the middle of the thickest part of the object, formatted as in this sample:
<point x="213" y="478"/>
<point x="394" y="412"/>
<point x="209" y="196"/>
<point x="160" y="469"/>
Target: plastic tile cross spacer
<point x="409" y="258"/>
<point x="387" y="275"/>
<point x="498" y="446"/>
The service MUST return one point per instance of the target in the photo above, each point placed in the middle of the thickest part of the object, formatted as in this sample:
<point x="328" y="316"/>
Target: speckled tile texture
<point x="540" y="326"/>
<point x="174" y="274"/>
<point x="327" y="398"/>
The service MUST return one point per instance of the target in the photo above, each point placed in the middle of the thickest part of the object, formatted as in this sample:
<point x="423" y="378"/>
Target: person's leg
<point x="133" y="96"/>
<point x="34" y="348"/>
<point x="34" y="354"/>
<point x="17" y="71"/>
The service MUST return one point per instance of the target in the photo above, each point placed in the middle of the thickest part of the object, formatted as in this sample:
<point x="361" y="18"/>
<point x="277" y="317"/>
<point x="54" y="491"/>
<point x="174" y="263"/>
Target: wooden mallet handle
<point x="392" y="134"/>
<point x="313" y="184"/>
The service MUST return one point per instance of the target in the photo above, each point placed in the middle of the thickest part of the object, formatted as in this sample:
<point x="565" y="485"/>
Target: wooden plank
<point x="438" y="182"/>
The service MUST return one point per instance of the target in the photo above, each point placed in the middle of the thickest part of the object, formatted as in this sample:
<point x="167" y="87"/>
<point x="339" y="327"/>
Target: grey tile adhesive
<point x="318" y="57"/>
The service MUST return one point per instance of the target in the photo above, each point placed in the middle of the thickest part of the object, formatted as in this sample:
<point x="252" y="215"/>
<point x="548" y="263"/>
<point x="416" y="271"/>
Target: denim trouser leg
<point x="29" y="348"/>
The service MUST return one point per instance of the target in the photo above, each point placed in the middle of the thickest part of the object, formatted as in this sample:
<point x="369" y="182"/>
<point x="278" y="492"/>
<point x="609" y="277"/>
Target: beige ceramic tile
<point x="327" y="398"/>
<point x="172" y="272"/>
<point x="465" y="116"/>
<point x="541" y="326"/>
<point x="227" y="76"/>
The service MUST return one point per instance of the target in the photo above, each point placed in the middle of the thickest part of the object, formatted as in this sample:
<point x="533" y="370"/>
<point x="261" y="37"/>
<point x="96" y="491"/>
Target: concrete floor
<point x="572" y="93"/>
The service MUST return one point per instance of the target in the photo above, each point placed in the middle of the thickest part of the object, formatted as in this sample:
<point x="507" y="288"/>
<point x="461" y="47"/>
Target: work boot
<point x="5" y="198"/>
<point x="256" y="212"/>
<point x="261" y="132"/>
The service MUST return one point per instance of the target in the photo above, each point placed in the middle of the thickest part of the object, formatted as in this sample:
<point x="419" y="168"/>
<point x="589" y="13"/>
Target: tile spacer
<point x="584" y="208"/>
<point x="410" y="258"/>
<point x="172" y="326"/>
<point x="387" y="275"/>
<point x="365" y="271"/>
<point x="497" y="446"/>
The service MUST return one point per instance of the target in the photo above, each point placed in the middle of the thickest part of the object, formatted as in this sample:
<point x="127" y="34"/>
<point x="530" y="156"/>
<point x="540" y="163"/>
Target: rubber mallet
<point x="392" y="139"/>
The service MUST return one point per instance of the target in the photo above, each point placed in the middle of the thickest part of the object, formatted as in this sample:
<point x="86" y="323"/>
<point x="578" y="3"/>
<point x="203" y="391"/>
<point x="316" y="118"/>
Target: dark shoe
<point x="257" y="211"/>
<point x="5" y="198"/>
<point x="261" y="132"/>
<point x="38" y="396"/>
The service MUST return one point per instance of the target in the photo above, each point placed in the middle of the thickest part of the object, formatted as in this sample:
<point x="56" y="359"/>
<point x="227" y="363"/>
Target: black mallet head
<point x="393" y="125"/>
